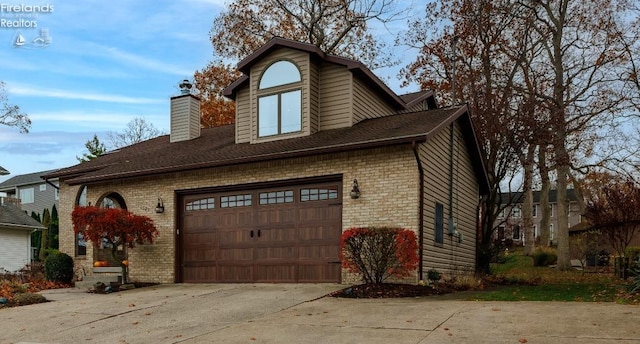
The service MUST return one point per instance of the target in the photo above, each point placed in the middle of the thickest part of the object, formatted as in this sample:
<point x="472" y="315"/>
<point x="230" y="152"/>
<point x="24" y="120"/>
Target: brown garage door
<point x="277" y="234"/>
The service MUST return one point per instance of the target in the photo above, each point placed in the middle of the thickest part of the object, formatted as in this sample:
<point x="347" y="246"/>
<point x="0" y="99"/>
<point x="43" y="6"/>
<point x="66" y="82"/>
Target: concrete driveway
<point x="287" y="313"/>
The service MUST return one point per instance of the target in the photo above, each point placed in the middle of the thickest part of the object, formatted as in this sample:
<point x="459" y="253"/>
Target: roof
<point x="23" y="179"/>
<point x="354" y="66"/>
<point x="13" y="217"/>
<point x="216" y="147"/>
<point x="3" y="172"/>
<point x="518" y="197"/>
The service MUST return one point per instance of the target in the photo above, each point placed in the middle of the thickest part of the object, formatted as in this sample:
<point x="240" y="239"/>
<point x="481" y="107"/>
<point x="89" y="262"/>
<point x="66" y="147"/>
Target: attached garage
<point x="287" y="232"/>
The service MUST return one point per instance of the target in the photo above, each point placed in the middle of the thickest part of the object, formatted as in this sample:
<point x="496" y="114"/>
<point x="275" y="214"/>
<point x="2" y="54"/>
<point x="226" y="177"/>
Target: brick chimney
<point x="185" y="115"/>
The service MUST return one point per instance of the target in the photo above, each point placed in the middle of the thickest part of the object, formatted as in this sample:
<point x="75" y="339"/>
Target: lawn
<point x="516" y="279"/>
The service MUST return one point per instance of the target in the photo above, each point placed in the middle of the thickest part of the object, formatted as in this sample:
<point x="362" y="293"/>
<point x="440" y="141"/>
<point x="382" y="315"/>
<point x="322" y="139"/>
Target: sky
<point x="89" y="67"/>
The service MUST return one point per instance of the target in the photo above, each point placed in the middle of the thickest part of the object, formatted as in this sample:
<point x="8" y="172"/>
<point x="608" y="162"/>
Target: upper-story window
<point x="280" y="100"/>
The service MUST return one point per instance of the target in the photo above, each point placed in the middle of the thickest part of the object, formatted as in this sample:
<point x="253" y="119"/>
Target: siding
<point x="314" y="97"/>
<point x="42" y="199"/>
<point x="421" y="106"/>
<point x="302" y="61"/>
<point x="15" y="250"/>
<point x="367" y="103"/>
<point x="335" y="97"/>
<point x="243" y="116"/>
<point x="451" y="257"/>
<point x="185" y="118"/>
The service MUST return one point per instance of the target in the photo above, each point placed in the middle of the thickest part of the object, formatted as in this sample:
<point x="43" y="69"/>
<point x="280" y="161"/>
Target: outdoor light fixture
<point x="355" y="190"/>
<point x="160" y="206"/>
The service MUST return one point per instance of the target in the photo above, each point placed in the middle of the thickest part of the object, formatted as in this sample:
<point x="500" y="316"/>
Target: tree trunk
<point x="545" y="209"/>
<point x="527" y="204"/>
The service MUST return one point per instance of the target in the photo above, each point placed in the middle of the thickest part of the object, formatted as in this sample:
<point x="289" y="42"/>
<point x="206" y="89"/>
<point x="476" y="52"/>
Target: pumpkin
<point x="97" y="264"/>
<point x="125" y="262"/>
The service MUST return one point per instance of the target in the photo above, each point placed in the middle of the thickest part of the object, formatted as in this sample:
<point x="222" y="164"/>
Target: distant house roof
<point x="3" y="172"/>
<point x="15" y="218"/>
<point x="23" y="179"/>
<point x="354" y="66"/>
<point x="518" y="197"/>
<point x="216" y="147"/>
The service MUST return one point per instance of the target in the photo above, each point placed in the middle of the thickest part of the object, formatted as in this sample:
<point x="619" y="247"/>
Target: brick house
<point x="320" y="144"/>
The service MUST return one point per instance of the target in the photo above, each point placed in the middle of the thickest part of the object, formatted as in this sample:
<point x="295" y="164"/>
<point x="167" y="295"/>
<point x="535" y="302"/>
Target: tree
<point x="11" y="115"/>
<point x="95" y="148"/>
<point x="54" y="229"/>
<point x="118" y="227"/>
<point x="615" y="211"/>
<point x="44" y="242"/>
<point x="137" y="130"/>
<point x="338" y="27"/>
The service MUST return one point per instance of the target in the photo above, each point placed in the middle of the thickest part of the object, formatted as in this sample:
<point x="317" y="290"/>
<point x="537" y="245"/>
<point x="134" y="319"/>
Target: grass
<point x="518" y="280"/>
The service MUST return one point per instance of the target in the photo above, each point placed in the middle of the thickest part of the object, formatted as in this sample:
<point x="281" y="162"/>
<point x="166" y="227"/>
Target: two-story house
<point x="509" y="220"/>
<point x="320" y="144"/>
<point x="34" y="193"/>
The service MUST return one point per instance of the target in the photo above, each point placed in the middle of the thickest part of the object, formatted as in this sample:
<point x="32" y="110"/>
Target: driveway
<point x="287" y="313"/>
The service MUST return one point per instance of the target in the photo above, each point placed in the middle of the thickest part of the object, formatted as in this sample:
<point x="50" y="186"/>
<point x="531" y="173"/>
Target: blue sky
<point x="103" y="63"/>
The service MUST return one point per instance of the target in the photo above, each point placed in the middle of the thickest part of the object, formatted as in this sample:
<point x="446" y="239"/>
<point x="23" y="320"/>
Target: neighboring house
<point x="509" y="220"/>
<point x="320" y="145"/>
<point x="35" y="194"/>
<point x="15" y="237"/>
<point x="3" y="172"/>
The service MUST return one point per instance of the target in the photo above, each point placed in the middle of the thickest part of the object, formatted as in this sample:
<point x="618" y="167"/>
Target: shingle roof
<point x="14" y="217"/>
<point x="23" y="179"/>
<point x="217" y="147"/>
<point x="3" y="172"/>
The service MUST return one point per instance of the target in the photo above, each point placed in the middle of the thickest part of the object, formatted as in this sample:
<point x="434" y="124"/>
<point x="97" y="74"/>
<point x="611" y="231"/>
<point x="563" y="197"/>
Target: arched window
<point x="81" y="201"/>
<point x="280" y="100"/>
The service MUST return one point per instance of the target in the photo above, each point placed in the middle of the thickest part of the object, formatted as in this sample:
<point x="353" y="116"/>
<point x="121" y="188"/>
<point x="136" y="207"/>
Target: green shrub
<point x="634" y="272"/>
<point x="433" y="275"/>
<point x="544" y="256"/>
<point x="633" y="252"/>
<point x="58" y="267"/>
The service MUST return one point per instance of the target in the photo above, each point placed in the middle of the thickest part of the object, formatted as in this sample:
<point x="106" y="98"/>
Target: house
<point x="15" y="236"/>
<point x="34" y="193"/>
<point x="509" y="220"/>
<point x="3" y="172"/>
<point x="320" y="145"/>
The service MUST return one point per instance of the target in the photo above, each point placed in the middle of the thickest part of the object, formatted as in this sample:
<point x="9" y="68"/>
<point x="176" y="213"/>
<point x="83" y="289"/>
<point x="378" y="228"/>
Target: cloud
<point x="144" y="62"/>
<point x="28" y="90"/>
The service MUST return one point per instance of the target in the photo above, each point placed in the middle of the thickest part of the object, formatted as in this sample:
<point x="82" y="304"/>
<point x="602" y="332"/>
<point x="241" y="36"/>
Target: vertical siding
<point x="243" y="116"/>
<point x="452" y="257"/>
<point x="335" y="97"/>
<point x="367" y="104"/>
<point x="302" y="61"/>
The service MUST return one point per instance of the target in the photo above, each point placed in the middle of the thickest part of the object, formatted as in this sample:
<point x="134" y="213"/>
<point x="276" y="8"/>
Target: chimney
<point x="185" y="114"/>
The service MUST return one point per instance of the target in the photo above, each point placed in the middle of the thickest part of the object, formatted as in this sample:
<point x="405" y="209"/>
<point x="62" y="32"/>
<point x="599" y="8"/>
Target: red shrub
<point x="379" y="252"/>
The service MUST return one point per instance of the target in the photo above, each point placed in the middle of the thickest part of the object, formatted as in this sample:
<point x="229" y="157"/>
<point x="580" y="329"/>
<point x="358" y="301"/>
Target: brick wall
<point x="388" y="180"/>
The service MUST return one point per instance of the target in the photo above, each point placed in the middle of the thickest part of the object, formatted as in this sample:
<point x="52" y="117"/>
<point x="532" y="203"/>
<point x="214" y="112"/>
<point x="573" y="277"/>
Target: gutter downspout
<point x="50" y="183"/>
<point x="414" y="147"/>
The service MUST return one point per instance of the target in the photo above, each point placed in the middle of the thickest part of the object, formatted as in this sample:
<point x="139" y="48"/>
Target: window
<point x="235" y="201"/>
<point x="551" y="232"/>
<point x="534" y="212"/>
<point x="81" y="244"/>
<point x="201" y="204"/>
<point x="57" y="193"/>
<point x="501" y="214"/>
<point x="516" y="212"/>
<point x="516" y="232"/>
<point x="439" y="224"/>
<point x="276" y="197"/>
<point x="43" y="187"/>
<point x="535" y="231"/>
<point x="27" y="196"/>
<point x="318" y="194"/>
<point x="551" y="210"/>
<point x="280" y="100"/>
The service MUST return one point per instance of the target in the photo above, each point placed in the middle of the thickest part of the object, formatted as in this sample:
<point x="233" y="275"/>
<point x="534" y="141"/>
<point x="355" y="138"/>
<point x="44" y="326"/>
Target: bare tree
<point x="11" y="115"/>
<point x="137" y="130"/>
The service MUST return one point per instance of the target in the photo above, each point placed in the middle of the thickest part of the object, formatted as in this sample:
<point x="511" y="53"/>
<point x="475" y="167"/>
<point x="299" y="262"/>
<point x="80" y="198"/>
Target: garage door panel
<point x="296" y="235"/>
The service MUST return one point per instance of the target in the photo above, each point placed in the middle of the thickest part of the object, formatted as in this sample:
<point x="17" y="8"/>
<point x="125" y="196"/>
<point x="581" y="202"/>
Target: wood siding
<point x="335" y="97"/>
<point x="302" y="61"/>
<point x="243" y="116"/>
<point x="314" y="97"/>
<point x="452" y="257"/>
<point x="367" y="103"/>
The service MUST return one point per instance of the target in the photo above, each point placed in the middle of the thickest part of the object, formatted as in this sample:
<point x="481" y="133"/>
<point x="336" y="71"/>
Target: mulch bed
<point x="390" y="290"/>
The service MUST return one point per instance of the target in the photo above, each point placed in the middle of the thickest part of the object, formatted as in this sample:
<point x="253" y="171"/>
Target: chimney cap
<point x="185" y="86"/>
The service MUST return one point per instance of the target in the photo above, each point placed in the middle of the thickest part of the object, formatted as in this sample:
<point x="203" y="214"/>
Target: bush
<point x="379" y="252"/>
<point x="634" y="272"/>
<point x="633" y="252"/>
<point x="544" y="256"/>
<point x="433" y="275"/>
<point x="58" y="267"/>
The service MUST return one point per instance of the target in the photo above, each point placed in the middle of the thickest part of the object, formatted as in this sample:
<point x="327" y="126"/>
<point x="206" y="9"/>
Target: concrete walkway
<point x="276" y="313"/>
